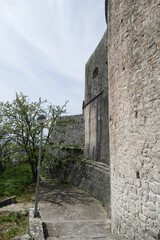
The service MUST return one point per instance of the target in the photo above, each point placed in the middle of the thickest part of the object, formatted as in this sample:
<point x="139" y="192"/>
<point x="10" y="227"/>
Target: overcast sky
<point x="44" y="45"/>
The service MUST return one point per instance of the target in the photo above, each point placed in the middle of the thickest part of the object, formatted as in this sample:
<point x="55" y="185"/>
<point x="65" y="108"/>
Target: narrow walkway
<point x="70" y="213"/>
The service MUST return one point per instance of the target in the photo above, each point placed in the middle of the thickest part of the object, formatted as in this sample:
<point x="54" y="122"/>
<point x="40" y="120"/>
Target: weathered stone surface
<point x="96" y="105"/>
<point x="35" y="226"/>
<point x="94" y="228"/>
<point x="24" y="237"/>
<point x="134" y="112"/>
<point x="108" y="237"/>
<point x="95" y="84"/>
<point x="71" y="133"/>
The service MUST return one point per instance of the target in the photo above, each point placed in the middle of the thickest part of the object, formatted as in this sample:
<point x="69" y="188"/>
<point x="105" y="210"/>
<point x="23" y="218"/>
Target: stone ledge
<point x="35" y="226"/>
<point x="7" y="201"/>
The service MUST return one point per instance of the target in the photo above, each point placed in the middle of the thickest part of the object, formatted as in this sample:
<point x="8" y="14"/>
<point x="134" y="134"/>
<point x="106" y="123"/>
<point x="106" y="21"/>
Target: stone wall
<point x="96" y="105"/>
<point x="134" y="111"/>
<point x="91" y="176"/>
<point x="67" y="162"/>
<point x="70" y="131"/>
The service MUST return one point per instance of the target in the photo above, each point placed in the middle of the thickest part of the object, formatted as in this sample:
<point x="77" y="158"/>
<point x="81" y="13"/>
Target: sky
<point x="44" y="45"/>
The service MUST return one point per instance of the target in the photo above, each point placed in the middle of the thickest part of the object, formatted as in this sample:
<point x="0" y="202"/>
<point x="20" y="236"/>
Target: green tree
<point x="19" y="131"/>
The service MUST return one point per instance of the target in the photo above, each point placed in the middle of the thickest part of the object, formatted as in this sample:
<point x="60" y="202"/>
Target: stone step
<point x="79" y="238"/>
<point x="91" y="229"/>
<point x="109" y="236"/>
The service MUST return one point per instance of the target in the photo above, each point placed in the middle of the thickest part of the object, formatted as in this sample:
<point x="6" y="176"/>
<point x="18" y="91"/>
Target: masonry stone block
<point x="134" y="128"/>
<point x="71" y="132"/>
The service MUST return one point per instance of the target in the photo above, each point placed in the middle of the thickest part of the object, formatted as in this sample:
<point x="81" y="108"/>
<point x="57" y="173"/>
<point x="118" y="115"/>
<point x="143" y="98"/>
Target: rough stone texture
<point x="91" y="176"/>
<point x="94" y="85"/>
<point x="35" y="226"/>
<point x="68" y="140"/>
<point x="72" y="132"/>
<point x="134" y="103"/>
<point x="69" y="133"/>
<point x="24" y="237"/>
<point x="7" y="201"/>
<point x="96" y="105"/>
<point x="15" y="207"/>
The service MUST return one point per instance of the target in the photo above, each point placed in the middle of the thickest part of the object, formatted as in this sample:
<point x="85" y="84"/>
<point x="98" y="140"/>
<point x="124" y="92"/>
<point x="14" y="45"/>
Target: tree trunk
<point x="34" y="171"/>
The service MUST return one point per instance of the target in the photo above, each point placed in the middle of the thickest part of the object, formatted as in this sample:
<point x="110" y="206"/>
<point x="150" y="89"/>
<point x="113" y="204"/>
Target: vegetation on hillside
<point x="13" y="181"/>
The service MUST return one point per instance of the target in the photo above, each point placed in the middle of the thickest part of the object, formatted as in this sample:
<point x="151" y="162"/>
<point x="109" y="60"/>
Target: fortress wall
<point x="134" y="111"/>
<point x="96" y="105"/>
<point x="71" y="132"/>
<point x="96" y="131"/>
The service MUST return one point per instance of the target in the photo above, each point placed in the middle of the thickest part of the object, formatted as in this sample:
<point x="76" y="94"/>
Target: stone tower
<point x="95" y="106"/>
<point x="134" y="113"/>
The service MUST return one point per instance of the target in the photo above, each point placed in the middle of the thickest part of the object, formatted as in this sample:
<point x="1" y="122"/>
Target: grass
<point x="16" y="223"/>
<point x="14" y="180"/>
<point x="28" y="195"/>
<point x="17" y="181"/>
<point x="13" y="224"/>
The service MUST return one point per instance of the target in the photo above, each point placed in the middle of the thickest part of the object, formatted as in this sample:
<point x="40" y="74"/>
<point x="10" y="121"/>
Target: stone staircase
<point x="79" y="229"/>
<point x="68" y="213"/>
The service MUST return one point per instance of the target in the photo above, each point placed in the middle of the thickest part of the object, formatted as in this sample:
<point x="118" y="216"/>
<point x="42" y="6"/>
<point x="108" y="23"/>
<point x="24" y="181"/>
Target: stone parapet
<point x="35" y="226"/>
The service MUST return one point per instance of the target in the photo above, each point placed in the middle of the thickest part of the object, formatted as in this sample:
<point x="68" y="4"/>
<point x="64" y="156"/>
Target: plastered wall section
<point x="96" y="104"/>
<point x="134" y="111"/>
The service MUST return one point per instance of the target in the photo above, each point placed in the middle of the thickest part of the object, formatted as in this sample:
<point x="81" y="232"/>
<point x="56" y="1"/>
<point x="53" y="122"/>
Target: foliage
<point x="62" y="181"/>
<point x="14" y="180"/>
<point x="19" y="132"/>
<point x="73" y="147"/>
<point x="13" y="224"/>
<point x="61" y="162"/>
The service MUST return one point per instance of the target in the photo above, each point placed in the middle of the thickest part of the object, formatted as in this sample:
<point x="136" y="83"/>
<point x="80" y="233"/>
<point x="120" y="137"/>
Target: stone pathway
<point x="69" y="213"/>
<point x="15" y="207"/>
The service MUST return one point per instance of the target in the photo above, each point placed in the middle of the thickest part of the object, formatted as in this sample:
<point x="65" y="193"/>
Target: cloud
<point x="44" y="47"/>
